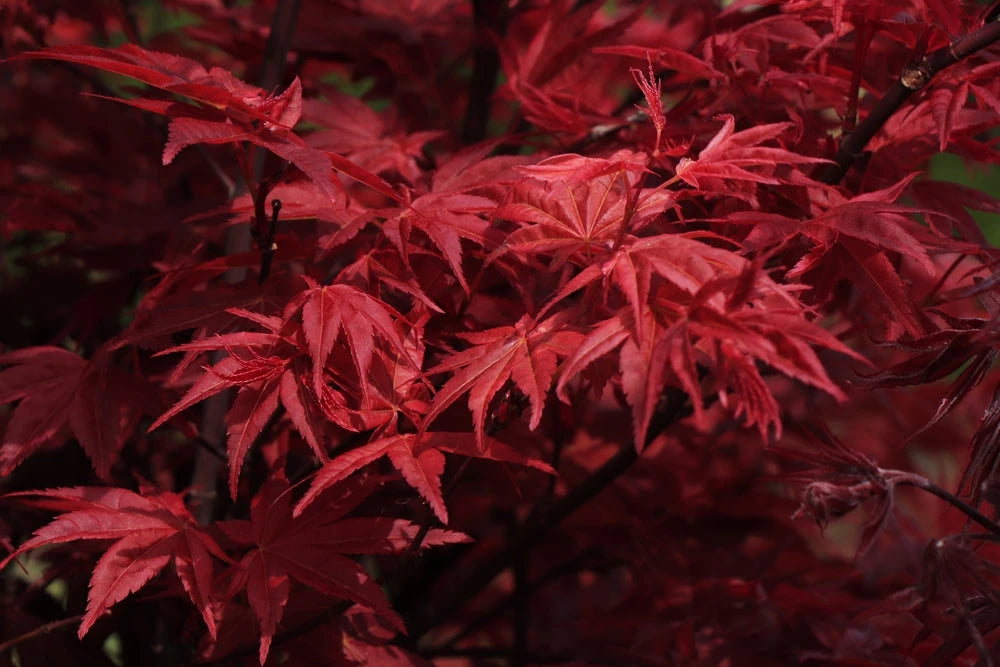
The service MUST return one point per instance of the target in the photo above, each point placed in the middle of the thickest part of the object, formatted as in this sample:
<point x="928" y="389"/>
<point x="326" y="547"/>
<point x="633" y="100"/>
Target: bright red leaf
<point x="149" y="530"/>
<point x="525" y="354"/>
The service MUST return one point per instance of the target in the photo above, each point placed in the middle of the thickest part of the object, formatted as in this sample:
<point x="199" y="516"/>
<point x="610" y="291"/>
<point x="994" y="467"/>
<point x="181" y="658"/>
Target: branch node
<point x="915" y="77"/>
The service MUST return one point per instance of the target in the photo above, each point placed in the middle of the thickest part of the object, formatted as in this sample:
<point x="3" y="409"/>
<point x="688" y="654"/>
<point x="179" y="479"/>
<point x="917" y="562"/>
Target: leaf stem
<point x="630" y="208"/>
<point x="862" y="41"/>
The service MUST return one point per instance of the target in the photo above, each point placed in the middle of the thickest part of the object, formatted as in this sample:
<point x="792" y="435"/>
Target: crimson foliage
<point x="458" y="332"/>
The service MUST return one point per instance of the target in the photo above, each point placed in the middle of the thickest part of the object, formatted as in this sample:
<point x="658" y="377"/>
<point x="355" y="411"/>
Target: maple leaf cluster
<point x="397" y="333"/>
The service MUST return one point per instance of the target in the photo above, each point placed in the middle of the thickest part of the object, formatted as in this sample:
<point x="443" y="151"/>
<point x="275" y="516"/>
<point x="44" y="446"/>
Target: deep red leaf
<point x="253" y="406"/>
<point x="306" y="547"/>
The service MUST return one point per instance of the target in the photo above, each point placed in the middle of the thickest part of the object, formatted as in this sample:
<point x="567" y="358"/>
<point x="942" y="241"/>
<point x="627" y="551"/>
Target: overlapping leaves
<point x="309" y="547"/>
<point x="686" y="300"/>
<point x="228" y="110"/>
<point x="293" y="362"/>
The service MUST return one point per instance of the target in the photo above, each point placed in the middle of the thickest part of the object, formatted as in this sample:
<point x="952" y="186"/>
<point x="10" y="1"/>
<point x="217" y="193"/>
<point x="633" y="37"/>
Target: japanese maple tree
<point x="520" y="332"/>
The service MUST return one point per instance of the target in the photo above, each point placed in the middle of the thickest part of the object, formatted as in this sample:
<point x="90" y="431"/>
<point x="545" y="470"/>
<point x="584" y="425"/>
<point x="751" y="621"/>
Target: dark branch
<point x="268" y="246"/>
<point x="573" y="565"/>
<point x="914" y="77"/>
<point x="485" y="652"/>
<point x="213" y="428"/>
<point x="521" y="613"/>
<point x="489" y="16"/>
<point x="286" y="15"/>
<point x="546" y="517"/>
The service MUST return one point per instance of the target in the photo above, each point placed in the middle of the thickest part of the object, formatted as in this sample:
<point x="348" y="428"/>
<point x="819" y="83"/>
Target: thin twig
<point x="215" y="451"/>
<point x="40" y="630"/>
<point x="862" y="41"/>
<point x="957" y="503"/>
<point x="570" y="566"/>
<point x="228" y="183"/>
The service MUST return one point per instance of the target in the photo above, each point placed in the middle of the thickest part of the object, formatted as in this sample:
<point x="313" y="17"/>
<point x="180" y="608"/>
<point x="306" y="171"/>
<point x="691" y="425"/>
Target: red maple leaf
<point x="581" y="207"/>
<point x="733" y="163"/>
<point x="850" y="240"/>
<point x="271" y="366"/>
<point x="728" y="336"/>
<point x="308" y="547"/>
<point x="215" y="87"/>
<point x="353" y="129"/>
<point x="232" y="111"/>
<point x="559" y="33"/>
<point x="149" y="530"/>
<point x="664" y="56"/>
<point x="526" y="354"/>
<point x="446" y="218"/>
<point x="59" y="392"/>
